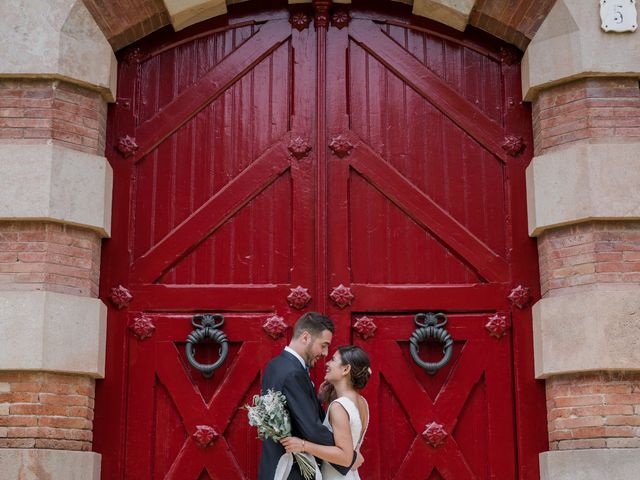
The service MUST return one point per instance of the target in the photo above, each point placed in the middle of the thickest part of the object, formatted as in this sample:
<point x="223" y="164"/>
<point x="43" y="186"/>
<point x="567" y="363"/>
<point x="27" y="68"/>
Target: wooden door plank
<point x="187" y="399"/>
<point x="237" y="381"/>
<point x="397" y="298"/>
<point x="217" y="459"/>
<point x="422" y="209"/>
<point x="500" y="409"/>
<point x="303" y="67"/>
<point x="174" y="327"/>
<point x="417" y="463"/>
<point x="188" y="298"/>
<point x="211" y="215"/>
<point x="222" y="463"/>
<point x="447" y="458"/>
<point x="426" y="83"/>
<point x="409" y="393"/>
<point x="191" y="101"/>
<point x="465" y="374"/>
<point x="140" y="419"/>
<point x="184" y="467"/>
<point x="451" y="462"/>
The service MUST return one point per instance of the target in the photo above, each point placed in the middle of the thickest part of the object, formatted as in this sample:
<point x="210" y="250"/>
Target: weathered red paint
<point x="276" y="164"/>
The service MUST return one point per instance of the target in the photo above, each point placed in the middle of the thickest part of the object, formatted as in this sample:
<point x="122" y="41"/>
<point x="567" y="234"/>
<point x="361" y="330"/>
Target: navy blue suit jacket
<point x="286" y="374"/>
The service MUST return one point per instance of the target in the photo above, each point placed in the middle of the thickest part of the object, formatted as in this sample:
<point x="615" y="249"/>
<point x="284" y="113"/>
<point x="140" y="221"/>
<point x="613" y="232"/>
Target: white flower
<point x="270" y="416"/>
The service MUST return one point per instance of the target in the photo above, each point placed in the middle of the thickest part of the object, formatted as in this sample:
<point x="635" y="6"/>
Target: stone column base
<point x="35" y="464"/>
<point x="592" y="464"/>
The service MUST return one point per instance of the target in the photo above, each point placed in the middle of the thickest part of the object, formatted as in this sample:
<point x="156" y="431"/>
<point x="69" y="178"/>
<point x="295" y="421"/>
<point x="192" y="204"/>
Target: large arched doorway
<point x="370" y="166"/>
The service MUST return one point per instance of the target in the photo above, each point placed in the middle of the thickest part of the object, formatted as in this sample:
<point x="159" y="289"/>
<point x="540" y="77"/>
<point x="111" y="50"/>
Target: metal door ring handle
<point x="207" y="329"/>
<point x="430" y="326"/>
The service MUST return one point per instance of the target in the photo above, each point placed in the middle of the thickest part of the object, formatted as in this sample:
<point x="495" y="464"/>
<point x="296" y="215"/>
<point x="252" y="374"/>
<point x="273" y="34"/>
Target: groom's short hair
<point x="313" y="322"/>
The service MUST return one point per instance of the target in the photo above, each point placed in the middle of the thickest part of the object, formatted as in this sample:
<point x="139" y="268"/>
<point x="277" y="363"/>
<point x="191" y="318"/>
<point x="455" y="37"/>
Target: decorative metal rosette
<point x="513" y="145"/>
<point x="509" y="55"/>
<point x="299" y="20"/>
<point x="340" y="146"/>
<point x="133" y="56"/>
<point x="275" y="326"/>
<point x="299" y="297"/>
<point x="299" y="147"/>
<point x="435" y="434"/>
<point x="497" y="325"/>
<point x="341" y="296"/>
<point x="520" y="296"/>
<point x="127" y="146"/>
<point x="204" y="435"/>
<point x="340" y="19"/>
<point x="120" y="297"/>
<point x="365" y="327"/>
<point x="142" y="327"/>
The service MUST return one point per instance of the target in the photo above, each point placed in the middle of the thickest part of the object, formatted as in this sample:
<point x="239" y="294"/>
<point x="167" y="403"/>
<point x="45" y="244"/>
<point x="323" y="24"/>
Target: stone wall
<point x="56" y="77"/>
<point x="584" y="206"/>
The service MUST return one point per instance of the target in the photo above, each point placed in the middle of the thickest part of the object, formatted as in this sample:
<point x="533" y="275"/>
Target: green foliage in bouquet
<point x="270" y="416"/>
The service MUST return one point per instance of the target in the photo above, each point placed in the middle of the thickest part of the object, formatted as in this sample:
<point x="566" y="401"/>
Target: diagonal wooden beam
<point x="237" y="381"/>
<point x="218" y="460"/>
<point x="194" y="411"/>
<point x="411" y="396"/>
<point x="451" y="462"/>
<point x="221" y="462"/>
<point x="427" y="213"/>
<point x="210" y="216"/>
<point x="463" y="113"/>
<point x="188" y="402"/>
<point x="448" y="459"/>
<point x="195" y="98"/>
<point x="183" y="465"/>
<point x="218" y="412"/>
<point x="465" y="375"/>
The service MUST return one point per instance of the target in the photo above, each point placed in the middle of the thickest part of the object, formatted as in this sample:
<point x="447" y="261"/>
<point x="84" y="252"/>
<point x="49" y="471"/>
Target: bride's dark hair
<point x="360" y="365"/>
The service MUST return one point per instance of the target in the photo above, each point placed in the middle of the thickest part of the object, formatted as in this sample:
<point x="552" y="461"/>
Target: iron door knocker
<point x="430" y="325"/>
<point x="207" y="329"/>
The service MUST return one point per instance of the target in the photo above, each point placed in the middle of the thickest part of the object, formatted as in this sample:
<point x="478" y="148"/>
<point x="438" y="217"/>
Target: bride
<point x="347" y="416"/>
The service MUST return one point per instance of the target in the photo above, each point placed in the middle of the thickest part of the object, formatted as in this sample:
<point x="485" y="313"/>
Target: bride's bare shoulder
<point x="363" y="408"/>
<point x="361" y="402"/>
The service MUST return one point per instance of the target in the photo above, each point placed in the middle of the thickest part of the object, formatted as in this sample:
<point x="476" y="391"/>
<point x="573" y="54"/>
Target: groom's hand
<point x="325" y="392"/>
<point x="359" y="461"/>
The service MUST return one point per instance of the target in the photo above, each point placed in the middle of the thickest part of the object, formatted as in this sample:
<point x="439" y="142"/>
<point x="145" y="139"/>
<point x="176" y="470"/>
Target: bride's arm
<point x="342" y="453"/>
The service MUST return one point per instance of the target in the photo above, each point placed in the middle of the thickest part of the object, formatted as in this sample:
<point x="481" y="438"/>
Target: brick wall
<point x="599" y="410"/>
<point x="46" y="410"/>
<point x="513" y="21"/>
<point x="37" y="110"/>
<point x="125" y="21"/>
<point x="49" y="256"/>
<point x="593" y="108"/>
<point x="578" y="256"/>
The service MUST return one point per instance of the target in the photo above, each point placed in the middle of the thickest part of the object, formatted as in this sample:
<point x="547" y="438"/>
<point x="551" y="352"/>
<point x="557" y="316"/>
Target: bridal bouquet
<point x="270" y="415"/>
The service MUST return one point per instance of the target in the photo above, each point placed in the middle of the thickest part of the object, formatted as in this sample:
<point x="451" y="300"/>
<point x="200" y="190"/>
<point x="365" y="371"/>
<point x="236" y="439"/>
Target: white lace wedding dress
<point x="357" y="434"/>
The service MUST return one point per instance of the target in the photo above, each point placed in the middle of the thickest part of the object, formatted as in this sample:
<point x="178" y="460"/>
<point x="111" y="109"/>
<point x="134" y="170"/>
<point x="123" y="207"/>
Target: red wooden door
<point x="420" y="219"/>
<point x="358" y="169"/>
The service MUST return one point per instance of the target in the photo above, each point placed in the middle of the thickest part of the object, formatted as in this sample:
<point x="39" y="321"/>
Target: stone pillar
<point x="57" y="73"/>
<point x="584" y="205"/>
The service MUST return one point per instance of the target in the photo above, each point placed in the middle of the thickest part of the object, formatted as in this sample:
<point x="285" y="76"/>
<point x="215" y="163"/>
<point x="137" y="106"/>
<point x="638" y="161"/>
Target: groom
<point x="289" y="374"/>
